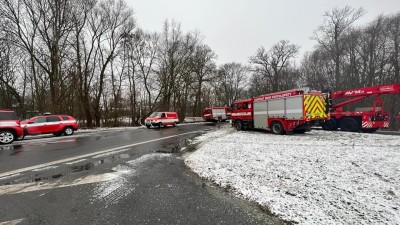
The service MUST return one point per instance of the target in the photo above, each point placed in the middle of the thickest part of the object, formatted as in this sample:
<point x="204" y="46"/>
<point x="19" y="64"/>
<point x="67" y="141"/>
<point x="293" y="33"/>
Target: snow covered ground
<point x="319" y="177"/>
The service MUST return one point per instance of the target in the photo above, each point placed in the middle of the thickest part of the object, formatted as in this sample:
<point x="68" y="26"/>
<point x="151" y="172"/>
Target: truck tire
<point x="239" y="125"/>
<point x="277" y="128"/>
<point x="6" y="137"/>
<point x="349" y="124"/>
<point x="148" y="126"/>
<point x="330" y="124"/>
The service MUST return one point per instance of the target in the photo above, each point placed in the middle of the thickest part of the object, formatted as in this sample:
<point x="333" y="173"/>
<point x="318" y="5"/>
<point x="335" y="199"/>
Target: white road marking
<point x="74" y="162"/>
<point x="12" y="222"/>
<point x="9" y="173"/>
<point x="45" y="168"/>
<point x="109" y="153"/>
<point x="7" y="177"/>
<point x="62" y="141"/>
<point x="29" y="187"/>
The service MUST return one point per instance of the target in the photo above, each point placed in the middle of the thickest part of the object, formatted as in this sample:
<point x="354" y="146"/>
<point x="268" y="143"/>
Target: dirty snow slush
<point x="315" y="178"/>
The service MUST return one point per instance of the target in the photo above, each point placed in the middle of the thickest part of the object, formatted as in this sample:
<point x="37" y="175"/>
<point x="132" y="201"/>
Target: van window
<point x="155" y="114"/>
<point x="163" y="115"/>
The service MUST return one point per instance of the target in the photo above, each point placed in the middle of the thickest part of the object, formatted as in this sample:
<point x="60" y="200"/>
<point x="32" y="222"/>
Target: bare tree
<point x="330" y="34"/>
<point x="174" y="55"/>
<point x="271" y="64"/>
<point x="144" y="54"/>
<point x="118" y="21"/>
<point x="230" y="83"/>
<point x="204" y="67"/>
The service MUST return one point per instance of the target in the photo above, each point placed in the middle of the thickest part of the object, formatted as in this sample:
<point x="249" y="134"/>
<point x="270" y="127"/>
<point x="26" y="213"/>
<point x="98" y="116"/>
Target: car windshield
<point x="155" y="114"/>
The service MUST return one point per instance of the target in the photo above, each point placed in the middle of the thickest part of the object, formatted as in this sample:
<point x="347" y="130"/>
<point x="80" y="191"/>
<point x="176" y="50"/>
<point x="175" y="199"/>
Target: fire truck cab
<point x="282" y="112"/>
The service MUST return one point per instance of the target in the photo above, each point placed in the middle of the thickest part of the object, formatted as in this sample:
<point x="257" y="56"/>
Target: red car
<point x="10" y="128"/>
<point x="50" y="124"/>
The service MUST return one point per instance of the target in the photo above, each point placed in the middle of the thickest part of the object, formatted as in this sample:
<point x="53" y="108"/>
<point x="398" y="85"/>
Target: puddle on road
<point x="10" y="147"/>
<point x="173" y="148"/>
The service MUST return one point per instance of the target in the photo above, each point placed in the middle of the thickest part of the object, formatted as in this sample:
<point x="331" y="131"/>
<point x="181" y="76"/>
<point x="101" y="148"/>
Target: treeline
<point x="89" y="59"/>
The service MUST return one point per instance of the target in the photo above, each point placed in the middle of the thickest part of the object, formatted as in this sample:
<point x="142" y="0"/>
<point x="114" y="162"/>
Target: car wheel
<point x="277" y="128"/>
<point x="68" y="131"/>
<point x="20" y="138"/>
<point x="6" y="137"/>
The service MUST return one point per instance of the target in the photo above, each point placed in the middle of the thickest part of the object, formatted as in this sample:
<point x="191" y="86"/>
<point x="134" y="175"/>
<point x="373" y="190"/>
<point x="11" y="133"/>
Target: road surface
<point x="132" y="176"/>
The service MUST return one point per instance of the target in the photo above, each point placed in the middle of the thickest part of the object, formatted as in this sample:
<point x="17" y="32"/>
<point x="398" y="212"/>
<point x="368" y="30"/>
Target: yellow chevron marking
<point x="314" y="106"/>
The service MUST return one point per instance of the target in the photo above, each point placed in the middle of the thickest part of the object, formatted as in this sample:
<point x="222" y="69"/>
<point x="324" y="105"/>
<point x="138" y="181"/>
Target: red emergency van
<point x="162" y="119"/>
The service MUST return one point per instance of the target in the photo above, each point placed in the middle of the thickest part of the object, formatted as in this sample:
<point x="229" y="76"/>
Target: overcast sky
<point x="234" y="29"/>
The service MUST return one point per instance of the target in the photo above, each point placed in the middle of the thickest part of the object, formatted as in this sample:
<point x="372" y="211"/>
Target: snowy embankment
<point x="315" y="178"/>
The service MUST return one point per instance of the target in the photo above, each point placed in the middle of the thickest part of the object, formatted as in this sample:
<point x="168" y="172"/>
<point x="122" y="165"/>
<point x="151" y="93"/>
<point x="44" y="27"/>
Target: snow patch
<point x="315" y="178"/>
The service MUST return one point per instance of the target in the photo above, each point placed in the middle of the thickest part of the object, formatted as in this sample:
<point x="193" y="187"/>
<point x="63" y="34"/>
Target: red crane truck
<point x="281" y="112"/>
<point x="363" y="119"/>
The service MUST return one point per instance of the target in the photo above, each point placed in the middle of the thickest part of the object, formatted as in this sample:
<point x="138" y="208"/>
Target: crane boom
<point x="367" y="91"/>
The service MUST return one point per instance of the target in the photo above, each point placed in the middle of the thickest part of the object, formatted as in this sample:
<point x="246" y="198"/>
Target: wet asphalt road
<point x="119" y="177"/>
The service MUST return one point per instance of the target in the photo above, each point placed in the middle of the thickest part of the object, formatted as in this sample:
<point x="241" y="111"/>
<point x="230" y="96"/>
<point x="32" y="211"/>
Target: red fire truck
<point x="215" y="114"/>
<point x="282" y="112"/>
<point x="362" y="119"/>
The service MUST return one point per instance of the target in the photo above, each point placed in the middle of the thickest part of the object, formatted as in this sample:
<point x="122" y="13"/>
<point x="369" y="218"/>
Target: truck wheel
<point x="277" y="128"/>
<point x="68" y="131"/>
<point x="6" y="137"/>
<point x="148" y="126"/>
<point x="239" y="125"/>
<point x="349" y="124"/>
<point x="174" y="124"/>
<point x="330" y="125"/>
